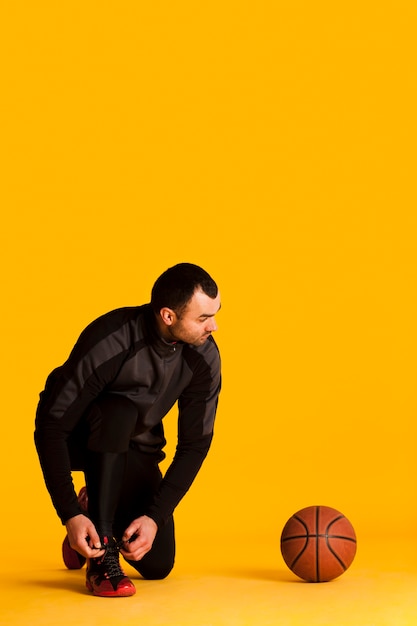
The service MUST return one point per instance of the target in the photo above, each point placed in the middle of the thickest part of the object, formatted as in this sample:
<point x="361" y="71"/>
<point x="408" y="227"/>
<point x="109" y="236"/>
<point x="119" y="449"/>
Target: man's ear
<point x="168" y="316"/>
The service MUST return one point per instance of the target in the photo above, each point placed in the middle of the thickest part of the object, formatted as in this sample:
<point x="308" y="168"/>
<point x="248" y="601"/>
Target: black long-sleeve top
<point x="121" y="352"/>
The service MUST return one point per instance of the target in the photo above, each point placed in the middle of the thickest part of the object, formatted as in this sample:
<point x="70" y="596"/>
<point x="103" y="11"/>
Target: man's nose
<point x="212" y="326"/>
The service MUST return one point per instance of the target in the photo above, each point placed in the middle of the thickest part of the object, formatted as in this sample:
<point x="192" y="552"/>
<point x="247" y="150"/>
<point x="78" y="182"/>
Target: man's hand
<point x="138" y="538"/>
<point x="83" y="537"/>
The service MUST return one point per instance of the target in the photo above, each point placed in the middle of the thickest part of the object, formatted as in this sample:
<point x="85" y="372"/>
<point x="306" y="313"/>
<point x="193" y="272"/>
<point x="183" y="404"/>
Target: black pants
<point x="121" y="480"/>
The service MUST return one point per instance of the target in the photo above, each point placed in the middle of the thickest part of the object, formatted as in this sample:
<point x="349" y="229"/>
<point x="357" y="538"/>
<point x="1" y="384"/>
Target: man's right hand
<point x="83" y="536"/>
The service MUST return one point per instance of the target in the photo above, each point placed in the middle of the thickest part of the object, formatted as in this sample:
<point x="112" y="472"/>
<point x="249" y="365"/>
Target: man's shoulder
<point x="121" y="320"/>
<point x="121" y="315"/>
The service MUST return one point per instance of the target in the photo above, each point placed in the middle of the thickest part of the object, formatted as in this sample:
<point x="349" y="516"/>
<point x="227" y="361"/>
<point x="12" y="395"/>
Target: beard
<point x="185" y="336"/>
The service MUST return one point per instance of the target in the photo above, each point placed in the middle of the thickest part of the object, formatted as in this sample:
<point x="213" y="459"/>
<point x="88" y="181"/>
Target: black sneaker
<point x="105" y="577"/>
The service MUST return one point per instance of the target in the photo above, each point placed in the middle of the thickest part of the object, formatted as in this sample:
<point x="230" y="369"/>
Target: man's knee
<point x="152" y="571"/>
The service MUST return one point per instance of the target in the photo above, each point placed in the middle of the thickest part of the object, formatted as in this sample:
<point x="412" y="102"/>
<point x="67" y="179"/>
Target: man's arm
<point x="197" y="410"/>
<point x="70" y="389"/>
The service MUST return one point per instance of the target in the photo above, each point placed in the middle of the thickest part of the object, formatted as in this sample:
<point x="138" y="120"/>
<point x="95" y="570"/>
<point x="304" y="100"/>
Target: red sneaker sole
<point x="118" y="593"/>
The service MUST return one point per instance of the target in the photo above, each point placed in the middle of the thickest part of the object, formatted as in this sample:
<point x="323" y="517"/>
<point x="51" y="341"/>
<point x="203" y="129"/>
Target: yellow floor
<point x="221" y="583"/>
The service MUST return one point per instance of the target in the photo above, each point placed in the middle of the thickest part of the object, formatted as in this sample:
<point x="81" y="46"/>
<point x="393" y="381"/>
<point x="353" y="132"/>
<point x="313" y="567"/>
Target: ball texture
<point x="318" y="543"/>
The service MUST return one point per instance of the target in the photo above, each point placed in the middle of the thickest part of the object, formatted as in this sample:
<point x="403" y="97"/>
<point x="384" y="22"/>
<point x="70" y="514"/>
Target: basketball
<point x="318" y="543"/>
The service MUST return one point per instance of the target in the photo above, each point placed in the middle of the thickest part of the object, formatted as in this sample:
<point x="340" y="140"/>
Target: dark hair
<point x="176" y="286"/>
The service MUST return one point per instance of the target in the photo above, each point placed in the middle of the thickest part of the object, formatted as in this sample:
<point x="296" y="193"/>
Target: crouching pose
<point x="101" y="412"/>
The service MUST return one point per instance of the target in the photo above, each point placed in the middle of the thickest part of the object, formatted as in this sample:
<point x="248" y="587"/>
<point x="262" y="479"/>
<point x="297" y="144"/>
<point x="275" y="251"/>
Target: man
<point x="101" y="412"/>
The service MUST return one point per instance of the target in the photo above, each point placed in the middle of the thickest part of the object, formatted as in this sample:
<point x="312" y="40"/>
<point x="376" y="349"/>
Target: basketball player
<point x="101" y="412"/>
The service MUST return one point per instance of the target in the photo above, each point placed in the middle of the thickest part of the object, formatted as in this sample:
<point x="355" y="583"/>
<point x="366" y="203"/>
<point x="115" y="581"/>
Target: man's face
<point x="196" y="322"/>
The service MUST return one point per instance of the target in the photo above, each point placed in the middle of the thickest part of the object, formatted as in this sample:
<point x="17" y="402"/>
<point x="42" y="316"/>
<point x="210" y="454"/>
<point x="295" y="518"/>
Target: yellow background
<point x="272" y="143"/>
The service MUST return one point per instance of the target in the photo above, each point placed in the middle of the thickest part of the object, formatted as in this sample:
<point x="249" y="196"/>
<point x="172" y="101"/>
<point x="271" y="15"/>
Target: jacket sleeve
<point x="69" y="391"/>
<point x="197" y="410"/>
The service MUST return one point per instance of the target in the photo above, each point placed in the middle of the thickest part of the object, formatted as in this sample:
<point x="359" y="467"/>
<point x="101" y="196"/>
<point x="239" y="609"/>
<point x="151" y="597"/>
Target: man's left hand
<point x="138" y="538"/>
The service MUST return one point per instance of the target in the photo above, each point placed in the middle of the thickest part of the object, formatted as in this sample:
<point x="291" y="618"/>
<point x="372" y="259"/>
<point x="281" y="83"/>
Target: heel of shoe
<point x="72" y="559"/>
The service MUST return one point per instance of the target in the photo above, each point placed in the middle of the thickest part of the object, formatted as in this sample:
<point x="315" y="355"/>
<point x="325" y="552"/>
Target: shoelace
<point x="111" y="563"/>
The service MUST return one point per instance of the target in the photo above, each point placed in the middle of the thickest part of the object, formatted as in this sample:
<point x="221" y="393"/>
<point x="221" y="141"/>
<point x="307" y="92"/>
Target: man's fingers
<point x="131" y="533"/>
<point x="93" y="553"/>
<point x="93" y="538"/>
<point x="137" y="547"/>
<point x="135" y="555"/>
<point x="95" y="543"/>
<point x="138" y="538"/>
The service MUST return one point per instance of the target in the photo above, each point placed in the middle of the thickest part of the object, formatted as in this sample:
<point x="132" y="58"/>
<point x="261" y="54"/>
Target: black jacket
<point x="121" y="352"/>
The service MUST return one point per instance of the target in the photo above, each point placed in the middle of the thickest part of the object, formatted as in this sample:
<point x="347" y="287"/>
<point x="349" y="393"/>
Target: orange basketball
<point x="318" y="543"/>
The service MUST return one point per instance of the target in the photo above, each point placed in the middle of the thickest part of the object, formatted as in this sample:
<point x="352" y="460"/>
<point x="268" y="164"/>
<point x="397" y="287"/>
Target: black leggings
<point x="121" y="480"/>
